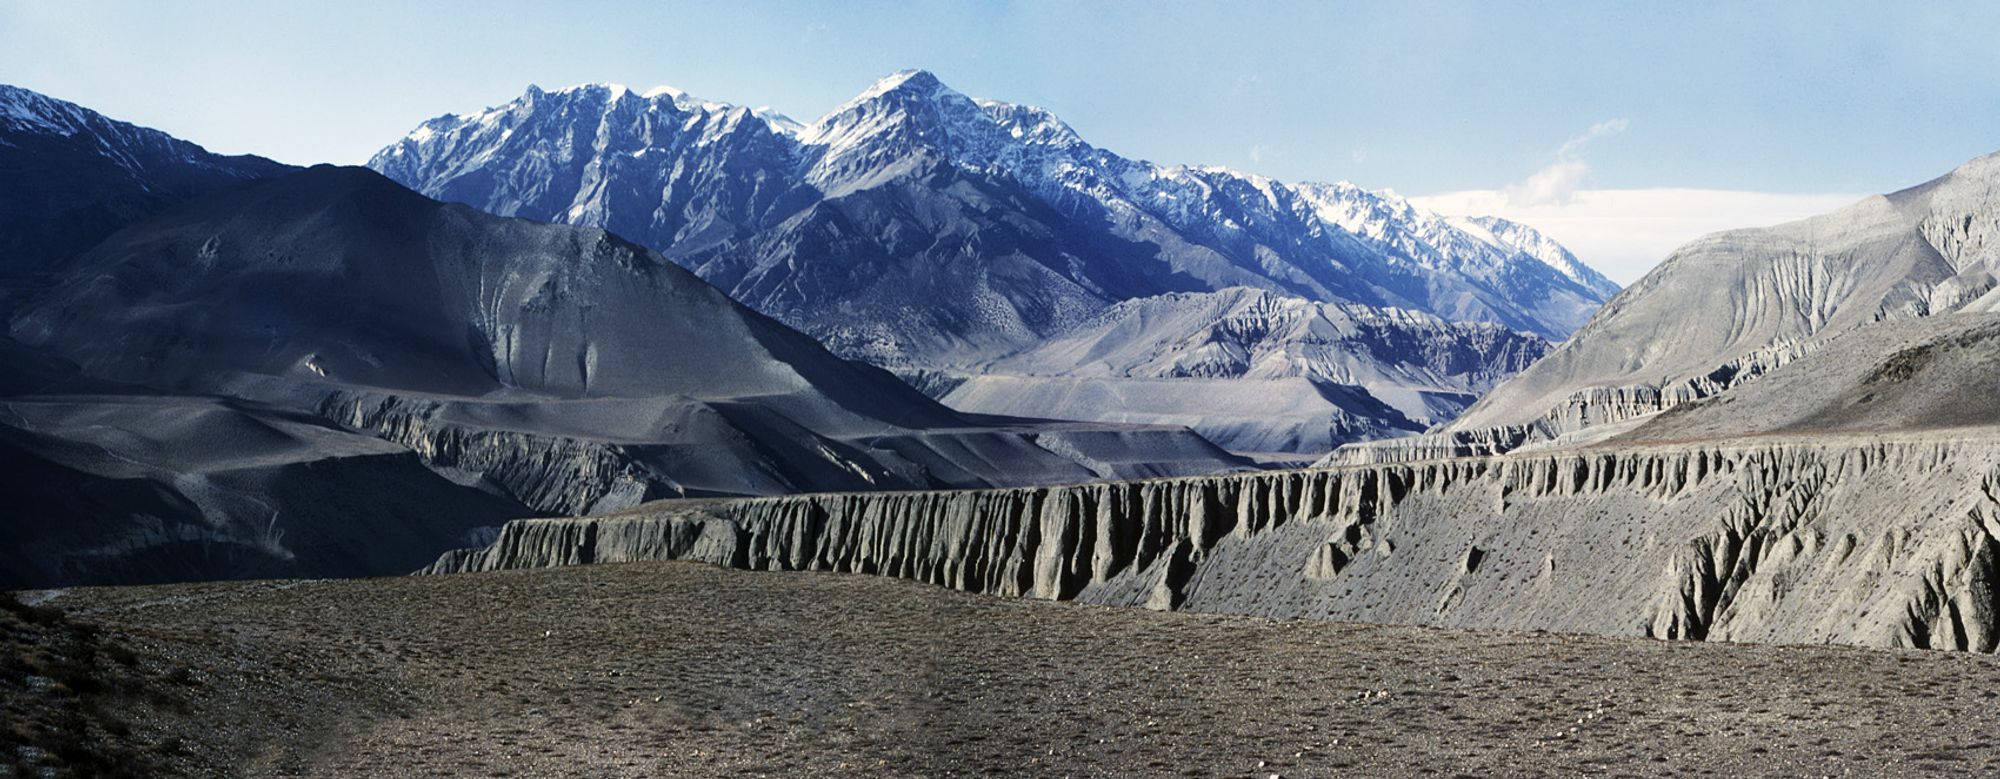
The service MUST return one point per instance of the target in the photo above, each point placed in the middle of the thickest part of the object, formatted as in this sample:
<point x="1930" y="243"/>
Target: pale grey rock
<point x="1731" y="307"/>
<point x="1876" y="540"/>
<point x="1252" y="371"/>
<point x="1929" y="373"/>
<point x="1295" y="418"/>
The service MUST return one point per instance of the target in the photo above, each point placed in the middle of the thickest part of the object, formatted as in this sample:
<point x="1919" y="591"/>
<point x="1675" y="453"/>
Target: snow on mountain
<point x="924" y="230"/>
<point x="22" y="110"/>
<point x="662" y="167"/>
<point x="1326" y="242"/>
<point x="75" y="176"/>
<point x="1535" y="244"/>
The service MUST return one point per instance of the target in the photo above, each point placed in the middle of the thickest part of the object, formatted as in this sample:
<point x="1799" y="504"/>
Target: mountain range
<point x="1782" y="434"/>
<point x="197" y="394"/>
<point x="199" y="344"/>
<point x="933" y="233"/>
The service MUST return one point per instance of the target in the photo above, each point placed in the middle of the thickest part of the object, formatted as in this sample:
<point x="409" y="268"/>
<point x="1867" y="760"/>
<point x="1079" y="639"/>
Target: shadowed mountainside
<point x="74" y="176"/>
<point x="331" y="319"/>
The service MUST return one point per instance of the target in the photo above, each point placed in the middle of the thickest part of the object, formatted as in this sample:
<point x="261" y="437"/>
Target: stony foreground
<point x="678" y="669"/>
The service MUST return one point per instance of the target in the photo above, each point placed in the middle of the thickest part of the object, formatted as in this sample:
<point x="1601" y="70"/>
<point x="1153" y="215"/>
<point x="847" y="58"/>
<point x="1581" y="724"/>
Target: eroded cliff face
<point x="551" y="473"/>
<point x="1883" y="541"/>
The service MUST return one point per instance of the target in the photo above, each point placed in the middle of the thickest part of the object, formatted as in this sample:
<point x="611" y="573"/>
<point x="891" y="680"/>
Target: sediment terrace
<point x="1873" y="540"/>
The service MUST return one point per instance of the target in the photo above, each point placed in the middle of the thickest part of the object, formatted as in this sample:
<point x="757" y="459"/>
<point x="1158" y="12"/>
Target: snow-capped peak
<point x="671" y="95"/>
<point x="890" y="127"/>
<point x="616" y="90"/>
<point x="785" y="125"/>
<point x="28" y="110"/>
<point x="915" y="77"/>
<point x="1030" y="124"/>
<point x="914" y="85"/>
<point x="1533" y="243"/>
<point x="909" y="123"/>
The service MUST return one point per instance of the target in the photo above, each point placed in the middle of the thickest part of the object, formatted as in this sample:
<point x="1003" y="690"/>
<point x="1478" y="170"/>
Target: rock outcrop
<point x="1887" y="541"/>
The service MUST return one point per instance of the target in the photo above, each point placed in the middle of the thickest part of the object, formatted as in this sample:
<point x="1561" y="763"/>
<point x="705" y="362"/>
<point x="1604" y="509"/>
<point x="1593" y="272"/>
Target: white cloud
<point x="1625" y="232"/>
<point x="1256" y="154"/>
<point x="1558" y="182"/>
<point x="1553" y="185"/>
<point x="1575" y="145"/>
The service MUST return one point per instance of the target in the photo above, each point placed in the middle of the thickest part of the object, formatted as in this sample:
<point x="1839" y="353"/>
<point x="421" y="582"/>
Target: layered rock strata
<point x="1886" y="541"/>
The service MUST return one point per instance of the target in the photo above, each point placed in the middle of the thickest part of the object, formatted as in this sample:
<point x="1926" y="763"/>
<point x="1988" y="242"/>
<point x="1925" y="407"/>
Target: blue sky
<point x="1621" y="128"/>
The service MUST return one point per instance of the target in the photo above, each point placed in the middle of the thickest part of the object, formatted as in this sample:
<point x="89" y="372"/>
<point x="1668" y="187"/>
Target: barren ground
<point x="675" y="669"/>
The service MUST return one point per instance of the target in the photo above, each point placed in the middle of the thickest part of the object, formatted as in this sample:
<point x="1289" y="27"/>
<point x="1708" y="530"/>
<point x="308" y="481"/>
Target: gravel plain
<point x="680" y="669"/>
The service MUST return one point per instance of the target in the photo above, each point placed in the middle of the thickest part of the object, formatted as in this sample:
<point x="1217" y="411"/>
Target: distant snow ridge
<point x="925" y="230"/>
<point x="635" y="162"/>
<point x="1541" y="247"/>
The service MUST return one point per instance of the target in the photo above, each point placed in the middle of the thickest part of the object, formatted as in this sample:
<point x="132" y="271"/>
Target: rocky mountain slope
<point x="117" y="483"/>
<point x="1733" y="306"/>
<point x="1541" y="247"/>
<point x="924" y="230"/>
<point x="199" y="394"/>
<point x="734" y="193"/>
<point x="1928" y="373"/>
<point x="152" y="488"/>
<point x="337" y="290"/>
<point x="1223" y="362"/>
<point x="73" y="176"/>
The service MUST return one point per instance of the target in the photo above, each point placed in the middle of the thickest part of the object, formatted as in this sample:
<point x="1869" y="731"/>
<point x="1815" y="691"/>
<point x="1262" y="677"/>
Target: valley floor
<point x="680" y="669"/>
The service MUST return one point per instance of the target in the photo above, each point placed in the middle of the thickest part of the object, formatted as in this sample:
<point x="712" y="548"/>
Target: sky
<point x="1621" y="129"/>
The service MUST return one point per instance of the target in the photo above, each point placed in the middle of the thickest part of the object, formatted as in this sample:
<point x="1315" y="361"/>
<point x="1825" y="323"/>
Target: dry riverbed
<point x="676" y="669"/>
